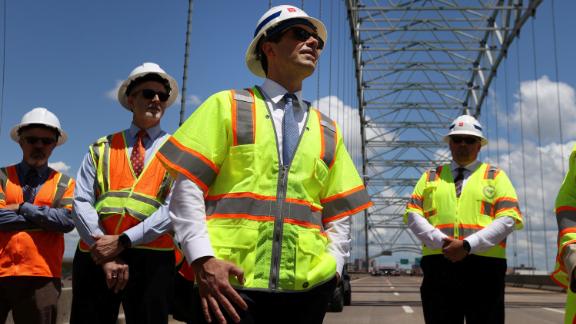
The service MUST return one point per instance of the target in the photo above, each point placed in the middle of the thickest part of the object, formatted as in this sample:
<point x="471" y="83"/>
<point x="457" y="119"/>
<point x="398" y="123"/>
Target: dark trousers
<point x="33" y="300"/>
<point x="271" y="307"/>
<point x="145" y="299"/>
<point x="472" y="288"/>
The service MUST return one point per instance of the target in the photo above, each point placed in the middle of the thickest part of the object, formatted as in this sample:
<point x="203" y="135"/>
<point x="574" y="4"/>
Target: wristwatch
<point x="466" y="246"/>
<point x="125" y="241"/>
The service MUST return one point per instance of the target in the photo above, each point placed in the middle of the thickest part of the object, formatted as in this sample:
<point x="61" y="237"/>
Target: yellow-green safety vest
<point x="266" y="217"/>
<point x="488" y="195"/>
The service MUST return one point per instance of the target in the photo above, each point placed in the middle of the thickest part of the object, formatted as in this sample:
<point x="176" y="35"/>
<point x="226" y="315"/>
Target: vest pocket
<point x="313" y="264"/>
<point x="241" y="164"/>
<point x="235" y="243"/>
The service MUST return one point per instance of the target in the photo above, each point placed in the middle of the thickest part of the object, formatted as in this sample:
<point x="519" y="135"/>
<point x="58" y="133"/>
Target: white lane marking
<point x="561" y="311"/>
<point x="391" y="287"/>
<point x="408" y="309"/>
<point x="396" y="294"/>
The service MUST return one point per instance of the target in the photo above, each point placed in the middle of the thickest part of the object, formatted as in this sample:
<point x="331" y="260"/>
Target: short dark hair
<point x="31" y="126"/>
<point x="146" y="78"/>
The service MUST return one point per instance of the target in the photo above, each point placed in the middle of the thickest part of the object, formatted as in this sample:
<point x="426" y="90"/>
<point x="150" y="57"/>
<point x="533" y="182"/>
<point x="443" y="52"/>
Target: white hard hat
<point x="466" y="125"/>
<point x="40" y="116"/>
<point x="272" y="18"/>
<point x="142" y="70"/>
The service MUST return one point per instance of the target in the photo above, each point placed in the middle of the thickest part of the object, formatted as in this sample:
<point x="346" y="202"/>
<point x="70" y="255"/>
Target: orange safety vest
<point x="116" y="180"/>
<point x="33" y="252"/>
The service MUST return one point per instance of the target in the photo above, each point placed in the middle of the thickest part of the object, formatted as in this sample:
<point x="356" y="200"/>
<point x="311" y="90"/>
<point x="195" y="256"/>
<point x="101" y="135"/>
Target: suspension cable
<point x="507" y="100"/>
<point x="186" y="59"/>
<point x="542" y="198"/>
<point x="330" y="63"/>
<point x="557" y="85"/>
<point x="318" y="67"/>
<point x="3" y="66"/>
<point x="526" y="206"/>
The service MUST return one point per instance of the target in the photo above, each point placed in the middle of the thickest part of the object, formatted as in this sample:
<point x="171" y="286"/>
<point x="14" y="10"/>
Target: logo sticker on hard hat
<point x="488" y="192"/>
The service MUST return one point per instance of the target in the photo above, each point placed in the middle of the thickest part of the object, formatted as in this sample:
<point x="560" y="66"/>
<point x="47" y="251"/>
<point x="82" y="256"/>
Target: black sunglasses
<point x="467" y="140"/>
<point x="150" y="94"/>
<point x="32" y="140"/>
<point x="301" y="34"/>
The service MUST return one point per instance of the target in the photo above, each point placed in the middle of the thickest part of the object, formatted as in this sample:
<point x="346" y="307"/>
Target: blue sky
<point x="68" y="56"/>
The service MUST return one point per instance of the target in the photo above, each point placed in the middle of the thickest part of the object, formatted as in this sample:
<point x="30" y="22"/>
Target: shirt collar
<point x="24" y="167"/>
<point x="153" y="132"/>
<point x="275" y="91"/>
<point x="470" y="167"/>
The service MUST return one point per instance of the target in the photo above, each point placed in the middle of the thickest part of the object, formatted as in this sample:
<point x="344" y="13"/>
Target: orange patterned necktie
<point x="138" y="153"/>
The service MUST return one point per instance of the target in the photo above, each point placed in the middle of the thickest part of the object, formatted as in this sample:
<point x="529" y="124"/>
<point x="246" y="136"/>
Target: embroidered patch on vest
<point x="488" y="192"/>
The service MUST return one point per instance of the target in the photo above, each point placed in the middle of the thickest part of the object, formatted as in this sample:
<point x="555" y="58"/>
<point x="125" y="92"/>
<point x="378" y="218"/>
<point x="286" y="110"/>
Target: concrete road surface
<point x="397" y="300"/>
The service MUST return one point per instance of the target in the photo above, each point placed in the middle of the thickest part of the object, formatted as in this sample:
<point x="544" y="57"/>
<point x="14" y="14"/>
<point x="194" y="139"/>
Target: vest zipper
<point x="278" y="228"/>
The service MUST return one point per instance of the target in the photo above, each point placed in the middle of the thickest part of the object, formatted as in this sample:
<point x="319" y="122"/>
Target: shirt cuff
<point x="135" y="235"/>
<point x="570" y="262"/>
<point x="197" y="248"/>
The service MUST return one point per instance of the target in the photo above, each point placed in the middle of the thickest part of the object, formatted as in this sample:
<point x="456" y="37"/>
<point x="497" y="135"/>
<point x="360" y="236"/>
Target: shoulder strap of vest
<point x="434" y="173"/>
<point x="3" y="178"/>
<point x="61" y="188"/>
<point x="328" y="139"/>
<point x="243" y="113"/>
<point x="491" y="172"/>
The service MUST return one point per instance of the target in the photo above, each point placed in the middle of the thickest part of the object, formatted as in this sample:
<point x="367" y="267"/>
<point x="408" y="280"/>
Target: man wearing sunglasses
<point x="35" y="204"/>
<point x="462" y="212"/>
<point x="265" y="187"/>
<point x="126" y="253"/>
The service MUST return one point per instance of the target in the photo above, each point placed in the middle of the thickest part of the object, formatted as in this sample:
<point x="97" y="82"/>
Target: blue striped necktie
<point x="290" y="132"/>
<point x="459" y="180"/>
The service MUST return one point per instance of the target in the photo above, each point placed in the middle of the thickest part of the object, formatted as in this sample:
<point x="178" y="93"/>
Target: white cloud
<point x="113" y="93"/>
<point x="539" y="98"/>
<point x="60" y="166"/>
<point x="194" y="100"/>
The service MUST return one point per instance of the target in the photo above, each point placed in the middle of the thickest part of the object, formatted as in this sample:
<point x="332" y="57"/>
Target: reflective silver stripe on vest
<point x="432" y="175"/>
<point x="344" y="204"/>
<point x="66" y="202"/>
<point x="506" y="204"/>
<point x="60" y="190"/>
<point x="244" y="117"/>
<point x="114" y="194"/>
<point x="329" y="133"/>
<point x="265" y="208"/>
<point x="189" y="162"/>
<point x="491" y="173"/>
<point x="105" y="165"/>
<point x="447" y="230"/>
<point x="487" y="208"/>
<point x="416" y="201"/>
<point x="146" y="200"/>
<point x="465" y="232"/>
<point x="111" y="210"/>
<point x="141" y="217"/>
<point x="566" y="219"/>
<point x="3" y="180"/>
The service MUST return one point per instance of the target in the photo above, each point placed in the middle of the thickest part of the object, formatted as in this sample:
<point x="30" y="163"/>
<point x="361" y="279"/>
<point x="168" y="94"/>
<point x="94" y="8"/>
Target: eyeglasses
<point x="150" y="94"/>
<point x="301" y="34"/>
<point x="32" y="140"/>
<point x="467" y="140"/>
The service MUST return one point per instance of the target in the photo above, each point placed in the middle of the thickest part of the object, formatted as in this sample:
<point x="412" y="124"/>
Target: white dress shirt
<point x="187" y="208"/>
<point x="480" y="241"/>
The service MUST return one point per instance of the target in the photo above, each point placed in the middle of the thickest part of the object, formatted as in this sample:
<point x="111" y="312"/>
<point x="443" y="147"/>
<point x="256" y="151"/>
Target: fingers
<point x="205" y="309"/>
<point x="223" y="300"/>
<point x="237" y="272"/>
<point x="122" y="279"/>
<point x="216" y="310"/>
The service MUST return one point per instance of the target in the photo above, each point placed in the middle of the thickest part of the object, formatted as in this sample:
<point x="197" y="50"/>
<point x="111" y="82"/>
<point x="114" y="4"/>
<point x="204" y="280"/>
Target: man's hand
<point x="12" y="207"/>
<point x="215" y="289"/>
<point x="116" y="273"/>
<point x="105" y="248"/>
<point x="454" y="249"/>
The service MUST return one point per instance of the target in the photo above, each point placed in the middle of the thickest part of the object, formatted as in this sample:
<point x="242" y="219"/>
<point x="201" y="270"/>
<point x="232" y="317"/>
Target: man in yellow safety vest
<point x="566" y="258"/>
<point x="462" y="212"/>
<point x="265" y="186"/>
